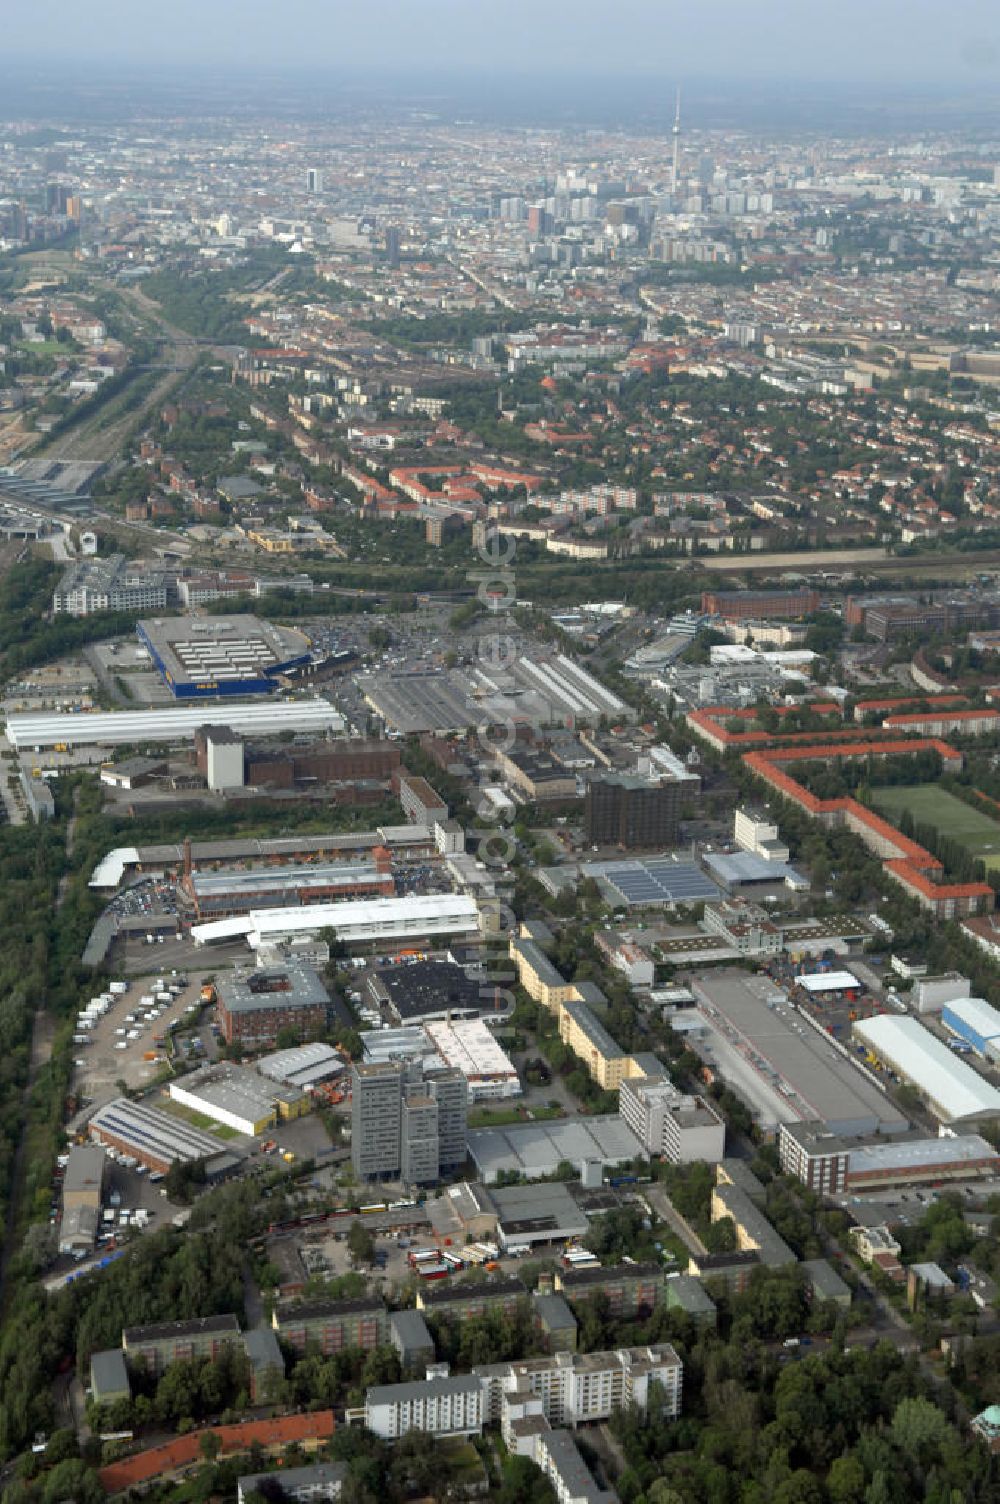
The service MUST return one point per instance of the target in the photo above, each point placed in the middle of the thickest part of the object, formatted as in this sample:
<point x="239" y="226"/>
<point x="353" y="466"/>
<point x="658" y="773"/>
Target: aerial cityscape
<point x="500" y="730"/>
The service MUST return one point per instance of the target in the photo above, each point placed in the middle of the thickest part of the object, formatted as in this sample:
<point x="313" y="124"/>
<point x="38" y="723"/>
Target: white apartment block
<point x="578" y="1388"/>
<point x="559" y="1458"/>
<point x="753" y="832"/>
<point x="444" y="1407"/>
<point x="669" y="1122"/>
<point x="111" y="584"/>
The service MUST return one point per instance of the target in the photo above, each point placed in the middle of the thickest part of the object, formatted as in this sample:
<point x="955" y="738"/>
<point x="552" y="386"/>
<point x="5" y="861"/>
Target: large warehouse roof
<point x="829" y="981"/>
<point x="893" y="1155"/>
<point x="536" y="1149"/>
<point x="954" y="1090"/>
<point x="111" y="869"/>
<point x="209" y="885"/>
<point x="735" y="868"/>
<point x="642" y="881"/>
<point x="304" y="1065"/>
<point x="773" y="1057"/>
<point x="124" y="727"/>
<point x="976" y="1014"/>
<point x="216" y="651"/>
<point x="549" y="687"/>
<point x="434" y="913"/>
<point x="150" y="1131"/>
<point x="470" y="1046"/>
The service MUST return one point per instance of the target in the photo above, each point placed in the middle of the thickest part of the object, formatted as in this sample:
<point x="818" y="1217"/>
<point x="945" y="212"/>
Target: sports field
<point x="931" y="806"/>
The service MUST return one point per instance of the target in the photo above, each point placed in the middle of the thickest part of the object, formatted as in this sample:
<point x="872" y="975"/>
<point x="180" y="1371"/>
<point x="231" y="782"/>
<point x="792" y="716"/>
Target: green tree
<point x="662" y="1492"/>
<point x="360" y="1243"/>
<point x="918" y="1428"/>
<point x="61" y="1445"/>
<point x="209" y="1445"/>
<point x="524" y="1483"/>
<point x="72" y="1480"/>
<point x="801" y="1488"/>
<point x="177" y="1392"/>
<point x="846" y="1480"/>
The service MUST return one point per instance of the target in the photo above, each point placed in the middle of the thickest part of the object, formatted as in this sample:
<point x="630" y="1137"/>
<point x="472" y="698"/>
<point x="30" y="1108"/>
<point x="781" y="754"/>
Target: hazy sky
<point x="898" y="41"/>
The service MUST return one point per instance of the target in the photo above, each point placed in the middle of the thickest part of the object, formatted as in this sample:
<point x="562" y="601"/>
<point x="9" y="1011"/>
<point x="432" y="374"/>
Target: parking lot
<point x="124" y="1191"/>
<point x="150" y="895"/>
<point x="62" y="686"/>
<point x="306" y="1138"/>
<point x="102" y="1062"/>
<point x="125" y="666"/>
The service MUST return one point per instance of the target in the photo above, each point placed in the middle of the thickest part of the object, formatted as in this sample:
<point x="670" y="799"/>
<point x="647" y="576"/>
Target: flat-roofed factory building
<point x="419" y="916"/>
<point x="238" y="1097"/>
<point x="425" y="990"/>
<point x="547" y="687"/>
<point x="468" y="1045"/>
<point x="831" y="1165"/>
<point x="175" y="724"/>
<point x="305" y="1066"/>
<point x="81" y="1198"/>
<point x="536" y="1149"/>
<point x="213" y="895"/>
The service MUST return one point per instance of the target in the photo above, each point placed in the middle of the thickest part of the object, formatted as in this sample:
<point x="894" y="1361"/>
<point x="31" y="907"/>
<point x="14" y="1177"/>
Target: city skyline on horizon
<point x="895" y="42"/>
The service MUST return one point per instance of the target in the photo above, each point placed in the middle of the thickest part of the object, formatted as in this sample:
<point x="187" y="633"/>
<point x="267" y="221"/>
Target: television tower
<point x="676" y="133"/>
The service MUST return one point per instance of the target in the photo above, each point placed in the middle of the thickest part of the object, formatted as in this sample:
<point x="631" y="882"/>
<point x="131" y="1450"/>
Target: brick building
<point x="631" y="1289"/>
<point x="156" y="1347"/>
<point x="464" y="1301"/>
<point x="323" y="762"/>
<point x="253" y="1006"/>
<point x="743" y="605"/>
<point x="333" y="1325"/>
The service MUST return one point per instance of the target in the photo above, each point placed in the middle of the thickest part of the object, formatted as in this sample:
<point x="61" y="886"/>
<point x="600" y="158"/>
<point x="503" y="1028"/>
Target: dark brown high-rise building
<point x="630" y="811"/>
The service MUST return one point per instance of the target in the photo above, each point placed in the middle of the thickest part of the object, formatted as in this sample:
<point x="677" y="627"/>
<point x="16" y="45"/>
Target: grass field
<point x="931" y="806"/>
<point x="197" y="1119"/>
<point x="502" y="1117"/>
<point x="44" y="347"/>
